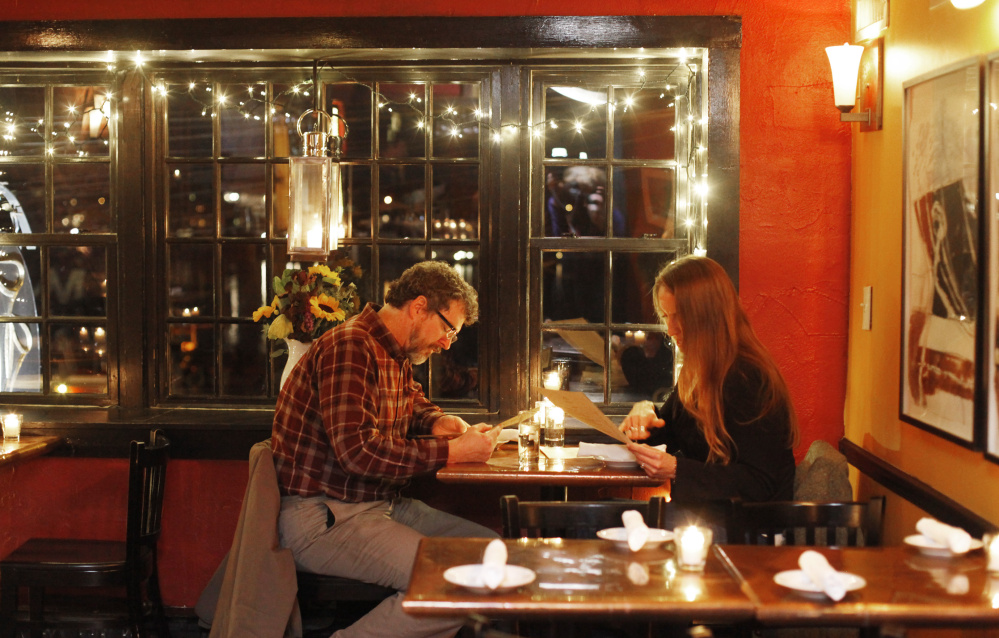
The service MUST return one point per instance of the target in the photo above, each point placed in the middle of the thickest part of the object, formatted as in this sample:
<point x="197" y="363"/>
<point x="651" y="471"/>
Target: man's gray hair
<point x="439" y="283"/>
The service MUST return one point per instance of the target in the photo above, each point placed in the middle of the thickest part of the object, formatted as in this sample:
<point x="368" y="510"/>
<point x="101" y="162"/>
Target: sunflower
<point x="266" y="311"/>
<point x="325" y="307"/>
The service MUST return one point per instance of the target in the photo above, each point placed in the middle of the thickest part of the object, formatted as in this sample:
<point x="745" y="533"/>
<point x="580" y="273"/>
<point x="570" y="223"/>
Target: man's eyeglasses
<point x="452" y="332"/>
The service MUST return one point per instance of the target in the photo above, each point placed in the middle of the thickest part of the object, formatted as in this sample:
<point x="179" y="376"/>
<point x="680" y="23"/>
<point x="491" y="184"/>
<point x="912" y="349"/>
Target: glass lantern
<point x="315" y="200"/>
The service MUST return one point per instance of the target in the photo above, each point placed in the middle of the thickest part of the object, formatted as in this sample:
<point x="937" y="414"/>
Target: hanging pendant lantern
<point x="315" y="197"/>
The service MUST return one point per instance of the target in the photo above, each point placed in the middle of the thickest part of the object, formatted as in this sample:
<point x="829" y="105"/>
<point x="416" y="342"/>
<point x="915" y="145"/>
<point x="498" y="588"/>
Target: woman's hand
<point x="641" y="418"/>
<point x="657" y="465"/>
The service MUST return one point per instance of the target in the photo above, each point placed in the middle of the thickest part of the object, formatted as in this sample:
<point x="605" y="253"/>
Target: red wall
<point x="794" y="242"/>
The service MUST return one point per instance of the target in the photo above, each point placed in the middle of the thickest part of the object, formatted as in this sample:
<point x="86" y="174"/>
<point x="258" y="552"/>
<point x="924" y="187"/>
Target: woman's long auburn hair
<point x="716" y="332"/>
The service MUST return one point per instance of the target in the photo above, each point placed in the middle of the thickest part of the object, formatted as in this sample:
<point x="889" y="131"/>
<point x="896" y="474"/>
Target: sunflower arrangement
<point x="309" y="302"/>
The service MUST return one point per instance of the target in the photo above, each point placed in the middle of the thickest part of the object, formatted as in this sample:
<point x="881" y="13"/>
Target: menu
<point x="579" y="406"/>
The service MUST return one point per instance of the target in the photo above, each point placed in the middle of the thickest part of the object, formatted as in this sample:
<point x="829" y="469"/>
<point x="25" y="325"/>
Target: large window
<point x="144" y="208"/>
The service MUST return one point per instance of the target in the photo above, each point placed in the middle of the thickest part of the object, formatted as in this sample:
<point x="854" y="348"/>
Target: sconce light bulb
<point x="845" y="63"/>
<point x="966" y="4"/>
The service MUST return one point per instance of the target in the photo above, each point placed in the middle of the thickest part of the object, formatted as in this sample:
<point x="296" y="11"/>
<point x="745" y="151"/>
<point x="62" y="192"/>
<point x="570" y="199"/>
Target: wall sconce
<point x="850" y="63"/>
<point x="966" y="4"/>
<point x="315" y="199"/>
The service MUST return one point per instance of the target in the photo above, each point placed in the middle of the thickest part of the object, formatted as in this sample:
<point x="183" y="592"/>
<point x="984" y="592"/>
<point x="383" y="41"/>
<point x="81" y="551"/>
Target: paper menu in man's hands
<point x="579" y="406"/>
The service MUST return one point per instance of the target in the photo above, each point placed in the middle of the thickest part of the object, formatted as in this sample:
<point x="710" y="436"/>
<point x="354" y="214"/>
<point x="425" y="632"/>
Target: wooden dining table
<point x="577" y="579"/>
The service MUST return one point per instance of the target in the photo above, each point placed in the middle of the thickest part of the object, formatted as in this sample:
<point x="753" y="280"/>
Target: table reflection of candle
<point x="12" y="426"/>
<point x="992" y="547"/>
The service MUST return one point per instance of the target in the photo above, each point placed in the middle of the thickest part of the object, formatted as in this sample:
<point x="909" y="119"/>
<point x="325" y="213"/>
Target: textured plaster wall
<point x="794" y="242"/>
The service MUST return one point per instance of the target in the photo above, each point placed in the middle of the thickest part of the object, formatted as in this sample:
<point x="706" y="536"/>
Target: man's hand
<point x="474" y="446"/>
<point x="640" y="419"/>
<point x="449" y="425"/>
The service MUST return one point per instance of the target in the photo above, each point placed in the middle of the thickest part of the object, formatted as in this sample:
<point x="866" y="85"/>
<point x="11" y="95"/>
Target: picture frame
<point x="942" y="290"/>
<point x="990" y="353"/>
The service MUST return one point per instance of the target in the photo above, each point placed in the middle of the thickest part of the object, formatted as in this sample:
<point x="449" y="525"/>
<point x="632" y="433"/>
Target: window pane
<point x="23" y="109"/>
<point x="190" y="267"/>
<point x="456" y="202"/>
<point x="189" y="120"/>
<point x="243" y="286"/>
<point x="192" y="359"/>
<point x="643" y="130"/>
<point x="646" y="363"/>
<point x="573" y="286"/>
<point x="79" y="359"/>
<point x="402" y="120"/>
<point x="357" y="271"/>
<point x="26" y="184"/>
<point x="634" y="275"/>
<point x="402" y="201"/>
<point x="357" y="199"/>
<point x="576" y="202"/>
<point x="242" y="120"/>
<point x="20" y="357"/>
<point x="77" y="281"/>
<point x="244" y="360"/>
<point x="455" y="371"/>
<point x="80" y="120"/>
<point x="353" y="103"/>
<point x="579" y="356"/>
<point x="393" y="260"/>
<point x="82" y="198"/>
<point x="244" y="204"/>
<point x="456" y="120"/>
<point x="279" y="199"/>
<point x="580" y="117"/>
<point x="192" y="201"/>
<point x="643" y="197"/>
<point x="290" y="101"/>
<point x="18" y="269"/>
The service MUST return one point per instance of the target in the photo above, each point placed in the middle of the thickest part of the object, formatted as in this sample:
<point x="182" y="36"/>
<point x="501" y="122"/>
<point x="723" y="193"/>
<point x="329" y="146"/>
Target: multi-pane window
<point x="411" y="167"/>
<point x="57" y="236"/>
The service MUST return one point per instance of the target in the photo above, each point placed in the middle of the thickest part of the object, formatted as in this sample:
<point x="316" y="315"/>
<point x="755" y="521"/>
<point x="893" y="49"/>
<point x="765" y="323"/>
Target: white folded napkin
<point x="820" y="572"/>
<point x="955" y="538"/>
<point x="609" y="451"/>
<point x="636" y="529"/>
<point x="494" y="564"/>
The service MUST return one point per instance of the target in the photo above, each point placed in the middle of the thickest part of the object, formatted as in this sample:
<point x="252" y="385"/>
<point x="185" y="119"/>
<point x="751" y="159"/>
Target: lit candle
<point x="692" y="547"/>
<point x="552" y="380"/>
<point x="314" y="237"/>
<point x="992" y="547"/>
<point x="12" y="426"/>
<point x="639" y="337"/>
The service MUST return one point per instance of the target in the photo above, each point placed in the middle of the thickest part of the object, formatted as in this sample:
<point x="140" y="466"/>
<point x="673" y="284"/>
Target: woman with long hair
<point x="729" y="426"/>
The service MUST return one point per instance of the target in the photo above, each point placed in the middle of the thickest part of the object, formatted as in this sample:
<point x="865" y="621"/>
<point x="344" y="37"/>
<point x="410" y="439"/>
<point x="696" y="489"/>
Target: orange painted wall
<point x="794" y="242"/>
<point x="918" y="41"/>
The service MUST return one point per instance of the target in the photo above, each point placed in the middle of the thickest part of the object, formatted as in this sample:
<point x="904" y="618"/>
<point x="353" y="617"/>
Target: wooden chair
<point x="42" y="565"/>
<point x="347" y="599"/>
<point x="843" y="523"/>
<point x="572" y="519"/>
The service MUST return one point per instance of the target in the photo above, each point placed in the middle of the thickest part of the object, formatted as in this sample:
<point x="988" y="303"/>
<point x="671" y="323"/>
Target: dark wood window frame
<point x="223" y="432"/>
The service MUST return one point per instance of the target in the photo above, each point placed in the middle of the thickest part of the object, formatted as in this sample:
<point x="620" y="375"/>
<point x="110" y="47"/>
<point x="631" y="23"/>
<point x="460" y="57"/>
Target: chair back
<point x="146" y="482"/>
<point x="843" y="523"/>
<point x="572" y="519"/>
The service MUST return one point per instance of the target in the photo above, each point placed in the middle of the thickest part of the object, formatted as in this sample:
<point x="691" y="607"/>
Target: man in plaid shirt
<point x="345" y="443"/>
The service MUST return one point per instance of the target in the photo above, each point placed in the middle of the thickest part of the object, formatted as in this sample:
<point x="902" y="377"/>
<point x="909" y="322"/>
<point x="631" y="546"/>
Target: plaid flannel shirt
<point x="346" y="416"/>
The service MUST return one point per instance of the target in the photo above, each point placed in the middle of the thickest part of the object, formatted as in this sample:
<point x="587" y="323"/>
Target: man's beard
<point x="416" y="353"/>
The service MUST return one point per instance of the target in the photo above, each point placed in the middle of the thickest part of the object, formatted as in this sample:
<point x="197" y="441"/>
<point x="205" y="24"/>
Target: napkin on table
<point x="494" y="563"/>
<point x="609" y="451"/>
<point x="955" y="538"/>
<point x="635" y="529"/>
<point x="820" y="572"/>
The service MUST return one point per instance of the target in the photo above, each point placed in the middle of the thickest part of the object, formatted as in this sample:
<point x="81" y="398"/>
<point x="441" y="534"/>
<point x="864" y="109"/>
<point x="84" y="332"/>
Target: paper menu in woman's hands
<point x="579" y="406"/>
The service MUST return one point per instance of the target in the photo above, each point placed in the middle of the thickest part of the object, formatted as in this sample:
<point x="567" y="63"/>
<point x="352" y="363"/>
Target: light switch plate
<point x="868" y="299"/>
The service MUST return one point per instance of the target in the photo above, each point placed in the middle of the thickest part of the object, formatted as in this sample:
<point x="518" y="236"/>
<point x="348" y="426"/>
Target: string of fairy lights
<point x="89" y="121"/>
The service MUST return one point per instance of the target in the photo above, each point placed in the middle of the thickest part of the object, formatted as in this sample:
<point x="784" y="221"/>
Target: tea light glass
<point x="992" y="551"/>
<point x="12" y="427"/>
<point x="692" y="545"/>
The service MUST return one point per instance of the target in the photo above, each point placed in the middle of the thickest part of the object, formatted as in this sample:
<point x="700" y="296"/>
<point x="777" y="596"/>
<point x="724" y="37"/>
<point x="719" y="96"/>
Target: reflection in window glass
<point x="456" y="120"/>
<point x="192" y="200"/>
<point x="244" y="361"/>
<point x="643" y="129"/>
<point x="646" y="362"/>
<point x="455" y="202"/>
<point x="79" y="359"/>
<point x="290" y="101"/>
<point x="356" y="200"/>
<point x="190" y="268"/>
<point x="580" y="118"/>
<point x="242" y="121"/>
<point x="189" y="123"/>
<point x="24" y="130"/>
<point x="577" y="358"/>
<point x="393" y="261"/>
<point x="77" y="281"/>
<point x="243" y="286"/>
<point x="455" y="371"/>
<point x="634" y="275"/>
<point x="26" y="183"/>
<point x="80" y="120"/>
<point x="576" y="202"/>
<point x="402" y="200"/>
<point x="401" y="120"/>
<point x="20" y="363"/>
<point x="643" y="197"/>
<point x="572" y="286"/>
<point x="244" y="205"/>
<point x="192" y="359"/>
<point x="81" y="198"/>
<point x="352" y="102"/>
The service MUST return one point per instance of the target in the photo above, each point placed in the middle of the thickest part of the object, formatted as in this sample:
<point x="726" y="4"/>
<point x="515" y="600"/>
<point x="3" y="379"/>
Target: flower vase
<point x="296" y="349"/>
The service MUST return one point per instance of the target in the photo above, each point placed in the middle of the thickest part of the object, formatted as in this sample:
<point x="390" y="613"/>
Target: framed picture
<point x="941" y="288"/>
<point x="991" y="350"/>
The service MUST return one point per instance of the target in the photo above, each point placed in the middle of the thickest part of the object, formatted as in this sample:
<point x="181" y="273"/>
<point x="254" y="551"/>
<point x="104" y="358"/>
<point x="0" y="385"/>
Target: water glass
<point x="555" y="427"/>
<point x="528" y="439"/>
